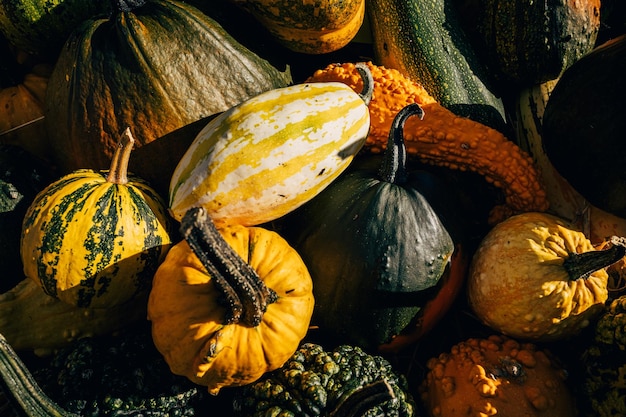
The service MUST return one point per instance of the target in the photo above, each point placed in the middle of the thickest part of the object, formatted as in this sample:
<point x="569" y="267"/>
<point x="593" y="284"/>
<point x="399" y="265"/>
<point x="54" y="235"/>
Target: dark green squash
<point x="584" y="128"/>
<point x="376" y="248"/>
<point x="156" y="66"/>
<point x="527" y="42"/>
<point x="425" y="41"/>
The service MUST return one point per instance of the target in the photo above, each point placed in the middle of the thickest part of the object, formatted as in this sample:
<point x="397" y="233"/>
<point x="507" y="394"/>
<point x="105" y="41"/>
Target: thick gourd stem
<point x="23" y="386"/>
<point x="364" y="399"/>
<point x="246" y="297"/>
<point x="118" y="171"/>
<point x="393" y="169"/>
<point x="368" y="82"/>
<point x="581" y="265"/>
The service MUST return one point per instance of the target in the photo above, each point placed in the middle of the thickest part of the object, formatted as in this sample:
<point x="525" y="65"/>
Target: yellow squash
<point x="272" y="153"/>
<point x="227" y="306"/>
<point x="536" y="277"/>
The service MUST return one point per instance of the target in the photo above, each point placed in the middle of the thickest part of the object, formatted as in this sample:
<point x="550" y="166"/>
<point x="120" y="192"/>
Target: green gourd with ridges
<point x="95" y="238"/>
<point x="375" y="245"/>
<point x="154" y="65"/>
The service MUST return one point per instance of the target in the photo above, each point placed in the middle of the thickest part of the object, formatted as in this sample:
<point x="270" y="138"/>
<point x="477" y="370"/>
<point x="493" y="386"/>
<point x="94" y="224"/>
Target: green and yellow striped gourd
<point x="270" y="154"/>
<point x="95" y="238"/>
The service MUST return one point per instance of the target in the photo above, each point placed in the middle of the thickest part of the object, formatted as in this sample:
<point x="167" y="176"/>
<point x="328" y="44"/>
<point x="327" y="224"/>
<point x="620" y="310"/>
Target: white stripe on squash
<point x="270" y="154"/>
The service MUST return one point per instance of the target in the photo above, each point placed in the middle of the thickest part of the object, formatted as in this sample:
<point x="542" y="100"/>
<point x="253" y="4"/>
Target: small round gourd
<point x="229" y="305"/>
<point x="310" y="27"/>
<point x="536" y="277"/>
<point x="95" y="238"/>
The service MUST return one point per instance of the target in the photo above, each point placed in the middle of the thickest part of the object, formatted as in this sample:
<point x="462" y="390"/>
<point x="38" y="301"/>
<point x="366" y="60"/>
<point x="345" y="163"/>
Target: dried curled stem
<point x="245" y="296"/>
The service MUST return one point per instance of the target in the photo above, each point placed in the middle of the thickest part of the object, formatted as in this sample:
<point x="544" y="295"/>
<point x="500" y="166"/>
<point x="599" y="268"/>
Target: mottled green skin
<point x="42" y="26"/>
<point x="122" y="375"/>
<point x="300" y="14"/>
<point x="424" y="40"/>
<point x="91" y="243"/>
<point x="529" y="42"/>
<point x="314" y="381"/>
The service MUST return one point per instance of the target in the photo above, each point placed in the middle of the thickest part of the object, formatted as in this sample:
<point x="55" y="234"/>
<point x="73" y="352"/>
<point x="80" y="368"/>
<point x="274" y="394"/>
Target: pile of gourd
<point x="449" y="195"/>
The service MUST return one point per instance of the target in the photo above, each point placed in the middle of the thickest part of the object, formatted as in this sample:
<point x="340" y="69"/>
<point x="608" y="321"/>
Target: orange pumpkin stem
<point x="118" y="171"/>
<point x="245" y="296"/>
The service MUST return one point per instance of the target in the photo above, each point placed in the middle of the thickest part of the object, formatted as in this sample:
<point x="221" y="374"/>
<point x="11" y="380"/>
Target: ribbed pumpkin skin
<point x="92" y="243"/>
<point x="269" y="155"/>
<point x="22" y="103"/>
<point x="156" y="68"/>
<point x="375" y="250"/>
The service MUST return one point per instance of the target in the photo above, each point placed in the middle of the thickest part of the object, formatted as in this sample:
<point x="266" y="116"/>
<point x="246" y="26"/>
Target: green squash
<point x="318" y="382"/>
<point x="424" y="40"/>
<point x="41" y="26"/>
<point x="155" y="66"/>
<point x="96" y="238"/>
<point x="375" y="247"/>
<point x="526" y="42"/>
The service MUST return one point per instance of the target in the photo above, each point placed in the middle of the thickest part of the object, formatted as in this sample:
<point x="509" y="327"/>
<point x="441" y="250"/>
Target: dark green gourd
<point x="375" y="247"/>
<point x="424" y="40"/>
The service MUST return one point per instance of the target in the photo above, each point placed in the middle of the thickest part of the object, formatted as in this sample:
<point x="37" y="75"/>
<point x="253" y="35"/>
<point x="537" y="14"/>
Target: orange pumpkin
<point x="227" y="306"/>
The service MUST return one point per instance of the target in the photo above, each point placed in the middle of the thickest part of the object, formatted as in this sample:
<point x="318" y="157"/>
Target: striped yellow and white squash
<point x="270" y="154"/>
<point x="95" y="238"/>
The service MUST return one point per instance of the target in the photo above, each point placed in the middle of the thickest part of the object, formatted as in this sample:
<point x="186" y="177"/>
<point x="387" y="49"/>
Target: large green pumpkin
<point x="375" y="247"/>
<point x="96" y="238"/>
<point x="156" y="66"/>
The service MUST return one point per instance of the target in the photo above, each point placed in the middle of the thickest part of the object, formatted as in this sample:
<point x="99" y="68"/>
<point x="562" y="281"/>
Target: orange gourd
<point x="228" y="306"/>
<point x="443" y="139"/>
<point x="496" y="376"/>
